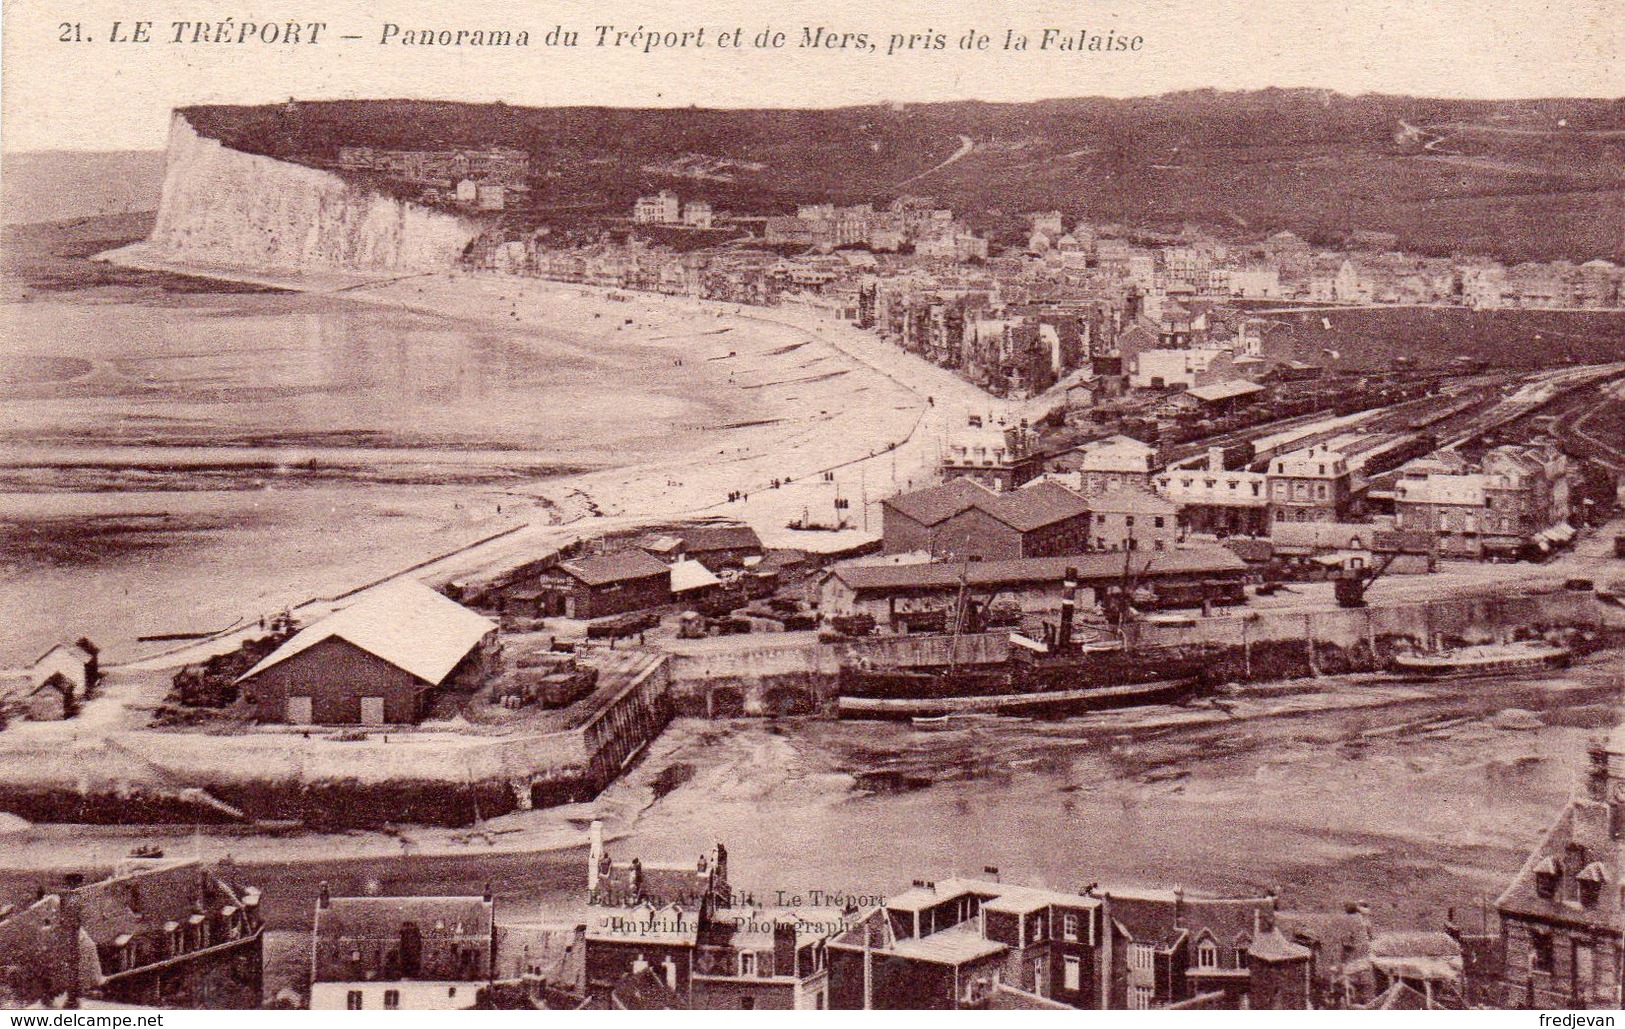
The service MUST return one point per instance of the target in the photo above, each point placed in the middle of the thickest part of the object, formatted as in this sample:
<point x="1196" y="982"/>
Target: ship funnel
<point x="1063" y="636"/>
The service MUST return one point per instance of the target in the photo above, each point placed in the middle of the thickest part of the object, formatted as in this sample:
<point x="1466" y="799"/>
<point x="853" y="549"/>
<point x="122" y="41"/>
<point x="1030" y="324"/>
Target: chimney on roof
<point x="488" y="894"/>
<point x="1179" y="906"/>
<point x="325" y="897"/>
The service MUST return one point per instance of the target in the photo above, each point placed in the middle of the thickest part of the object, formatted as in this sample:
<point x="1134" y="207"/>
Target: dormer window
<point x="1207" y="954"/>
<point x="1591" y="879"/>
<point x="1547" y="874"/>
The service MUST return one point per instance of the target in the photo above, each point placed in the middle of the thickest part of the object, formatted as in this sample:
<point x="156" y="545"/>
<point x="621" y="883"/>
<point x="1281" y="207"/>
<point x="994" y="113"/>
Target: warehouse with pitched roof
<point x="376" y="662"/>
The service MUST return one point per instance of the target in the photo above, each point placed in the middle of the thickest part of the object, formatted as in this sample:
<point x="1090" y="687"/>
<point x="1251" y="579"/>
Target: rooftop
<point x="405" y="623"/>
<point x="355" y="933"/>
<point x="700" y="539"/>
<point x="602" y="569"/>
<point x="939" y="503"/>
<point x="956" y="946"/>
<point x="1093" y="567"/>
<point x="1225" y="390"/>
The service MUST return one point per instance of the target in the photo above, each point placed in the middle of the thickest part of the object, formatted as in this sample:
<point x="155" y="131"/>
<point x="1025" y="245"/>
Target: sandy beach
<point x="670" y="405"/>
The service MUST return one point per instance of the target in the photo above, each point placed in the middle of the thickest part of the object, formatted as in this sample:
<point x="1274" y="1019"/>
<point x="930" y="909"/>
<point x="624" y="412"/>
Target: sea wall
<point x="724" y="679"/>
<point x="324" y="780"/>
<point x="224" y="207"/>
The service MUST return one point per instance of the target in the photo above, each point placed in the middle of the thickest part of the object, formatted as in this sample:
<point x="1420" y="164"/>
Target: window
<point x="1139" y="998"/>
<point x="1585" y="971"/>
<point x="1157" y="521"/>
<point x="1072" y="974"/>
<point x="392" y="1000"/>
<point x="747" y="962"/>
<point x="1069" y="926"/>
<point x="352" y="1000"/>
<point x="747" y="1003"/>
<point x="1540" y="951"/>
<point x="451" y="991"/>
<point x="1207" y="954"/>
<point x="1141" y="956"/>
<point x="818" y="1000"/>
<point x="1128" y="520"/>
<point x="1547" y="874"/>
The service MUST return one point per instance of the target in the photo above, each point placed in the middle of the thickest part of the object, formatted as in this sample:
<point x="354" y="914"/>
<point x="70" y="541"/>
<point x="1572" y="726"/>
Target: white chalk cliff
<point x="224" y="207"/>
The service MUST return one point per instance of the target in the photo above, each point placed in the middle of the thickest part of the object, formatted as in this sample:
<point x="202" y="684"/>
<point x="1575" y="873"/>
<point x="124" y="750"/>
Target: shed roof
<point x="406" y="624"/>
<point x="619" y="566"/>
<point x="691" y="575"/>
<point x="1095" y="567"/>
<point x="1225" y="390"/>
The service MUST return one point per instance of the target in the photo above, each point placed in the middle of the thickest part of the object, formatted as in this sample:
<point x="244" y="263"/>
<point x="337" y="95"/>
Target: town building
<point x="897" y="596"/>
<point x="664" y="208"/>
<point x="962" y="520"/>
<point x="1515" y="503"/>
<point x="156" y="933"/>
<point x="376" y="662"/>
<point x="1561" y="916"/>
<point x="999" y="460"/>
<point x="958" y="943"/>
<point x="1310" y="485"/>
<point x="1181" y="368"/>
<point x="697" y="214"/>
<point x="1131" y="518"/>
<point x="1171" y="945"/>
<point x="1339" y="945"/>
<point x="1113" y="463"/>
<point x="604" y="584"/>
<point x="1320" y="549"/>
<point x="680" y="929"/>
<point x="1216" y="501"/>
<point x="401" y="953"/>
<point x="716" y="546"/>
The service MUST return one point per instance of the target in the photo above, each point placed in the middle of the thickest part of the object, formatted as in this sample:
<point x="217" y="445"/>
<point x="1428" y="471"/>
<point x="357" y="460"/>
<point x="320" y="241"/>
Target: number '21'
<point x="70" y="33"/>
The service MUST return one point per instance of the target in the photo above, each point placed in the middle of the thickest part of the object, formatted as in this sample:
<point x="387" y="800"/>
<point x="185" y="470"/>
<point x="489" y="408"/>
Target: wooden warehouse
<point x="607" y="584"/>
<point x="376" y="662"/>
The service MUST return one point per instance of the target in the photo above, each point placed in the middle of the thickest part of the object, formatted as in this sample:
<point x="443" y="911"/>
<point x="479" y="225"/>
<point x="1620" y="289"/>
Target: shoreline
<point x="871" y="444"/>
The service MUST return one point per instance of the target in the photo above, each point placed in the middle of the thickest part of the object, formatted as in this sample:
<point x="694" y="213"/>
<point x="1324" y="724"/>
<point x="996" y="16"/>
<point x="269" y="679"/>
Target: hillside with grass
<point x="1519" y="180"/>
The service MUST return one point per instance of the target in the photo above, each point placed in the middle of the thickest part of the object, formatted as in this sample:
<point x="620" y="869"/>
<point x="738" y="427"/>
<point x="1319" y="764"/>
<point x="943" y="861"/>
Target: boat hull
<point x="1482" y="662"/>
<point x="935" y="712"/>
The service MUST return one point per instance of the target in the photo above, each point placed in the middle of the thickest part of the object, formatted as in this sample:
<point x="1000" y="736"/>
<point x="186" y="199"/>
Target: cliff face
<point x="224" y="207"/>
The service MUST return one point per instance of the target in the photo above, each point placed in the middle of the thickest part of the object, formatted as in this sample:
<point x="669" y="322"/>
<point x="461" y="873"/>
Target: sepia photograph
<point x="984" y="506"/>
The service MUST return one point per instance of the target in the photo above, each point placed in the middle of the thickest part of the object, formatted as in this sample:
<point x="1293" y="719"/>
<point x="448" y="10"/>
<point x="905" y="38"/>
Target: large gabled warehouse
<point x="375" y="662"/>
